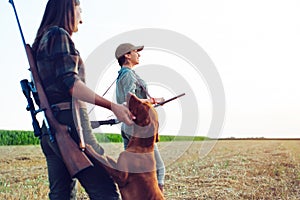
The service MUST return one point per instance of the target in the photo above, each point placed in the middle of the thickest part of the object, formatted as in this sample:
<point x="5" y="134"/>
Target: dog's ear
<point x="140" y="110"/>
<point x="146" y="122"/>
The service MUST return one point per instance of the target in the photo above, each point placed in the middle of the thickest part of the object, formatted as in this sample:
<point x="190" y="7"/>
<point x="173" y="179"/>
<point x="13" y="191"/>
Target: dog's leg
<point x="112" y="162"/>
<point x="100" y="159"/>
<point x="116" y="170"/>
<point x="120" y="173"/>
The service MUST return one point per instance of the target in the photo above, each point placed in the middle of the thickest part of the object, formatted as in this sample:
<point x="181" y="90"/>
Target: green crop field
<point x="12" y="137"/>
<point x="17" y="137"/>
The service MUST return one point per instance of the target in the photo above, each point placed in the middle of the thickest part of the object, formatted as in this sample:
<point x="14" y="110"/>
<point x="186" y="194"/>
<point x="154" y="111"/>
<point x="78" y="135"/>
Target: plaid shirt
<point x="59" y="64"/>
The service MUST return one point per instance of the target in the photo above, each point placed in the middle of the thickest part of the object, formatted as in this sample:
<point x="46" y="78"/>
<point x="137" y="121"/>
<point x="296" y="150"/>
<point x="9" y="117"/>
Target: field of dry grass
<point x="233" y="169"/>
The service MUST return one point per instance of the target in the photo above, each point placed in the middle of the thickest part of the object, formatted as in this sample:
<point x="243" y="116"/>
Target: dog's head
<point x="146" y="122"/>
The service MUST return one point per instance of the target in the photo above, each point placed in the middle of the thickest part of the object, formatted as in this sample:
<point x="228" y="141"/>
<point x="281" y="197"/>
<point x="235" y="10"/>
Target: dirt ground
<point x="229" y="169"/>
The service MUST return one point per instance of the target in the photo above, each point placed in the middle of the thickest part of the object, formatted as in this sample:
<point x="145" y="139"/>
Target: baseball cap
<point x="124" y="48"/>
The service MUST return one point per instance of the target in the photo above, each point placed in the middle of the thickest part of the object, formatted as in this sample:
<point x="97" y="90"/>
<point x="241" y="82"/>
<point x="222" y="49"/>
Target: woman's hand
<point x="156" y="100"/>
<point x="159" y="100"/>
<point x="122" y="113"/>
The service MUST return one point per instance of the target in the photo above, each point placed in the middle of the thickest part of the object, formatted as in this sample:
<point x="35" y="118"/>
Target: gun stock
<point x="74" y="159"/>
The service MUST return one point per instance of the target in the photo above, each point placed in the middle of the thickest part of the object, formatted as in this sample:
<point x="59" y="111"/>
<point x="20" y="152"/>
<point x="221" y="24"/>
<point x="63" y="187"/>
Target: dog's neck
<point x="141" y="144"/>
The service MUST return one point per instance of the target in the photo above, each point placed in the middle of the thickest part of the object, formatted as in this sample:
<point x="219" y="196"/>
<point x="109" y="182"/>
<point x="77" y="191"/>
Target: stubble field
<point x="233" y="169"/>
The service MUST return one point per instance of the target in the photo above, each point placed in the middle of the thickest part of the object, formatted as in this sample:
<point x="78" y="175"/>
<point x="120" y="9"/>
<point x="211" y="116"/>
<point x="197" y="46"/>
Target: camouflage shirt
<point x="59" y="64"/>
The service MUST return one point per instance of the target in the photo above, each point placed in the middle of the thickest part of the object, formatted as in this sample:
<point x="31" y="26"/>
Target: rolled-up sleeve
<point x="67" y="70"/>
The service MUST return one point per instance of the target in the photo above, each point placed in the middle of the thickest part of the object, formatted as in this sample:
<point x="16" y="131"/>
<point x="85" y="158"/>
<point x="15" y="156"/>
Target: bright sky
<point x="254" y="46"/>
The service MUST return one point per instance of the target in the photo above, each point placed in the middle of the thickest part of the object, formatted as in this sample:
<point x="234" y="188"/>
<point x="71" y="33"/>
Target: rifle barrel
<point x="164" y="102"/>
<point x="19" y="25"/>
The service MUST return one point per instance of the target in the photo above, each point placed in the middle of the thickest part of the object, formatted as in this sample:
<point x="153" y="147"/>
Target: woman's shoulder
<point x="55" y="41"/>
<point x="55" y="30"/>
<point x="58" y="35"/>
<point x="125" y="72"/>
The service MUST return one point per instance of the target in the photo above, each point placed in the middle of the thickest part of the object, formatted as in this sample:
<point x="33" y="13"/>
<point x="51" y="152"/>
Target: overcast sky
<point x="254" y="46"/>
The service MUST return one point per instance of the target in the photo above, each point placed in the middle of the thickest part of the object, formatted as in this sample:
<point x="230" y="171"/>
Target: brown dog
<point x="135" y="170"/>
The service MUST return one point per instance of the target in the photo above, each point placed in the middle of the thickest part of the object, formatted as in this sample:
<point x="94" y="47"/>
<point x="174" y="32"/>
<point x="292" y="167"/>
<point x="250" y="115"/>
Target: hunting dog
<point x="135" y="169"/>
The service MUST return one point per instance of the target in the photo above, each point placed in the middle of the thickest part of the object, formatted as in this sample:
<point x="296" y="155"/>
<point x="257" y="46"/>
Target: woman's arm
<point x="83" y="93"/>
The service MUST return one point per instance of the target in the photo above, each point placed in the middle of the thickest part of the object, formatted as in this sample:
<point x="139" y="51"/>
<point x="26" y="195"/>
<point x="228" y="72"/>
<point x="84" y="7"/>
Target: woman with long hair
<point x="61" y="70"/>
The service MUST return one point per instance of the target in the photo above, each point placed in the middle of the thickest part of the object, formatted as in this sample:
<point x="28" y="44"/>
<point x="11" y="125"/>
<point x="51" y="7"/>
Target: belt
<point x="65" y="106"/>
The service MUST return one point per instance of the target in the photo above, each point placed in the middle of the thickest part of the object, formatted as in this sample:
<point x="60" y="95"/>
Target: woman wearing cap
<point x="61" y="71"/>
<point x="128" y="81"/>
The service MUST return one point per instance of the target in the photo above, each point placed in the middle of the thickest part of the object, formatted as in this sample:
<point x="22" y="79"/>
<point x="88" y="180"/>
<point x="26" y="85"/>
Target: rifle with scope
<point x="27" y="91"/>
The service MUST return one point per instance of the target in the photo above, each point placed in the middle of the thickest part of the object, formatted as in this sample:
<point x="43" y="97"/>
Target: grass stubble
<point x="233" y="169"/>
